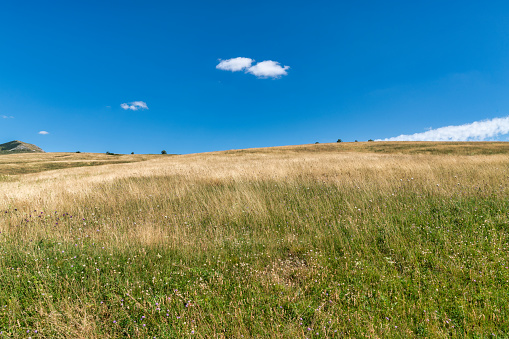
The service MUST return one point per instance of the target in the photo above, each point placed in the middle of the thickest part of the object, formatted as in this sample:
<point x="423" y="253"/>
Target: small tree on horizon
<point x="163" y="152"/>
<point x="339" y="140"/>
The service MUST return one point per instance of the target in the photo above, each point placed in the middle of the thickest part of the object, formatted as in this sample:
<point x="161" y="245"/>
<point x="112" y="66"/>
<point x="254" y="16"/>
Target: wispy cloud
<point x="6" y="116"/>
<point x="475" y="131"/>
<point x="43" y="132"/>
<point x="263" y="69"/>
<point x="134" y="106"/>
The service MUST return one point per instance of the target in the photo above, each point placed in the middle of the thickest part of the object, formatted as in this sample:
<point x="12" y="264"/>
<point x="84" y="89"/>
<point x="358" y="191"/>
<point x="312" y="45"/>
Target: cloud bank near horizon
<point x="475" y="131"/>
<point x="263" y="69"/>
<point x="134" y="106"/>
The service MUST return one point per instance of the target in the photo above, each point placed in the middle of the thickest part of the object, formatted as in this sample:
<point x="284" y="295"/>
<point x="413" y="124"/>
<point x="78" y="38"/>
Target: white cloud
<point x="268" y="69"/>
<point x="476" y="131"/>
<point x="43" y="132"/>
<point x="235" y="64"/>
<point x="6" y="117"/>
<point x="134" y="106"/>
<point x="264" y="69"/>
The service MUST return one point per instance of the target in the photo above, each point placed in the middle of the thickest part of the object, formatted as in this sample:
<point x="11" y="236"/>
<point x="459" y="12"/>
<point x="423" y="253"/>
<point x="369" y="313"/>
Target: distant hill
<point x="18" y="147"/>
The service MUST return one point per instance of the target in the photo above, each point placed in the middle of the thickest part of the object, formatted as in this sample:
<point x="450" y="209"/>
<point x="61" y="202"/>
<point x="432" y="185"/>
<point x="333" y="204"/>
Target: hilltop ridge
<point x="17" y="146"/>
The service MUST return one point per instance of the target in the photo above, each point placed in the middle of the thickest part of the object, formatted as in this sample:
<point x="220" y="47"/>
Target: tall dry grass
<point x="266" y="242"/>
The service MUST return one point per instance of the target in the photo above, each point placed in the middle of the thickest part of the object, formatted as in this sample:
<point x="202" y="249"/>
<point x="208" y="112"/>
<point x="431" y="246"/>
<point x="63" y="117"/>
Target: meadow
<point x="364" y="240"/>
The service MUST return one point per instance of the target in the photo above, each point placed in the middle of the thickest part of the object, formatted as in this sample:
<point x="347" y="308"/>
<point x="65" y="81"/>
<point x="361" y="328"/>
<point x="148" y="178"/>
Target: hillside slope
<point x="17" y="146"/>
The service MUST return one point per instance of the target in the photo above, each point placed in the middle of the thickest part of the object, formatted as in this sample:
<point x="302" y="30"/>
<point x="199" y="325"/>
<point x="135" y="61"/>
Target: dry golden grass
<point x="194" y="177"/>
<point x="24" y="163"/>
<point x="400" y="147"/>
<point x="303" y="222"/>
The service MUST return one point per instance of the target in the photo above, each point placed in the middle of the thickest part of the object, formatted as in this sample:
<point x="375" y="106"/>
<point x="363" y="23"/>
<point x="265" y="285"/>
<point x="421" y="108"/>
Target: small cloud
<point x="268" y="69"/>
<point x="7" y="117"/>
<point x="235" y="64"/>
<point x="134" y="106"/>
<point x="477" y="131"/>
<point x="264" y="69"/>
<point x="43" y="132"/>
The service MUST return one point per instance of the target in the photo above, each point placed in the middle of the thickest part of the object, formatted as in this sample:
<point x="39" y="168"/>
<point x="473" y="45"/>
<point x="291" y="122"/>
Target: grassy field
<point x="25" y="163"/>
<point x="316" y="241"/>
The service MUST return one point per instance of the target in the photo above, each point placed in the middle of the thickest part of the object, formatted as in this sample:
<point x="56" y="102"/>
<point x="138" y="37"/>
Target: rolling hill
<point x="17" y="146"/>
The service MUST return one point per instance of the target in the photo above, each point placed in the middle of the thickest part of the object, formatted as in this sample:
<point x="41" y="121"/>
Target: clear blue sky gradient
<point x="358" y="70"/>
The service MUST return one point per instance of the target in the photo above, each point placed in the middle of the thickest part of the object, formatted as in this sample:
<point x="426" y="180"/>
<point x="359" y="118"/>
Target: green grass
<point x="324" y="261"/>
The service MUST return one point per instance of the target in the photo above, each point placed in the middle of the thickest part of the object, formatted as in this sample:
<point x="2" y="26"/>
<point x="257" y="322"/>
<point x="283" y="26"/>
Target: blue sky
<point x="355" y="70"/>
